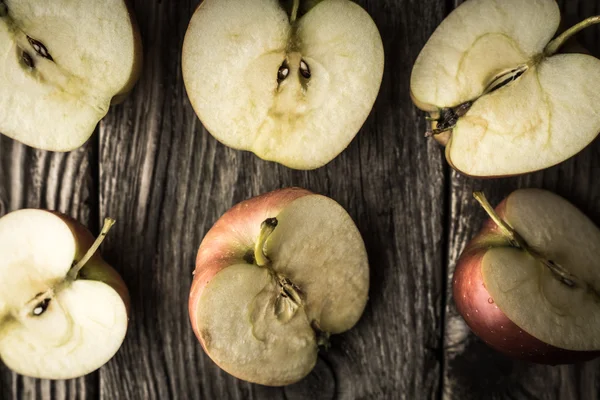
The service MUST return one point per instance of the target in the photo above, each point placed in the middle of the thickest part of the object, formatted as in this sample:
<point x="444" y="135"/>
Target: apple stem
<point x="506" y="229"/>
<point x="266" y="228"/>
<point x="294" y="13"/>
<point x="108" y="223"/>
<point x="557" y="43"/>
<point x="517" y="241"/>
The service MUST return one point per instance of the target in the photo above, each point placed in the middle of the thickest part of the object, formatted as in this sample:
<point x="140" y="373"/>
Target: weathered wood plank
<point x="64" y="182"/>
<point x="471" y="369"/>
<point x="166" y="180"/>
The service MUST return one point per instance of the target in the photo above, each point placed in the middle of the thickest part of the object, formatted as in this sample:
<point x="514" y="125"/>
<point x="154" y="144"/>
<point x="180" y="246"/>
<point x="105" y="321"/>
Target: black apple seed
<point x="41" y="307"/>
<point x="39" y="48"/>
<point x="304" y="69"/>
<point x="27" y="60"/>
<point x="284" y="71"/>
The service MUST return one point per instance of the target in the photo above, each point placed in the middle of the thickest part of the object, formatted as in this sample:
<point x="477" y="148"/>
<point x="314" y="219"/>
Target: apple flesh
<point x="275" y="276"/>
<point x="491" y="80"/>
<point x="63" y="310"/>
<point x="294" y="91"/>
<point x="530" y="288"/>
<point x="63" y="64"/>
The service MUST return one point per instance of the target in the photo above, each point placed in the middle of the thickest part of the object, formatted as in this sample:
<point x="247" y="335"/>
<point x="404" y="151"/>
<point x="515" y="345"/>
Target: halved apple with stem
<point x="291" y="88"/>
<point x="529" y="283"/>
<point x="62" y="64"/>
<point x="63" y="310"/>
<point x="275" y="276"/>
<point x="501" y="99"/>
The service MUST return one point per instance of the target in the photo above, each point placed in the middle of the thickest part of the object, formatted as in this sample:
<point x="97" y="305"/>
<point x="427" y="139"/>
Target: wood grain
<point x="473" y="370"/>
<point x="154" y="168"/>
<point x="166" y="181"/>
<point x="65" y="182"/>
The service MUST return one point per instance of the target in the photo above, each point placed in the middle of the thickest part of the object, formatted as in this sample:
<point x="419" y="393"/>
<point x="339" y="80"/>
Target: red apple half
<point x="63" y="310"/>
<point x="274" y="277"/>
<point x="529" y="283"/>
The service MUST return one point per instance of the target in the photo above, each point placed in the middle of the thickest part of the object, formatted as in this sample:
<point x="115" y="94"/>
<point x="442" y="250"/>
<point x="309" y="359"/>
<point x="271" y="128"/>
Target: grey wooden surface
<point x="153" y="167"/>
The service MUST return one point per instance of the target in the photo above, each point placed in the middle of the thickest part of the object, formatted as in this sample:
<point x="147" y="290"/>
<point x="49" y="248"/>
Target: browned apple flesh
<point x="264" y="323"/>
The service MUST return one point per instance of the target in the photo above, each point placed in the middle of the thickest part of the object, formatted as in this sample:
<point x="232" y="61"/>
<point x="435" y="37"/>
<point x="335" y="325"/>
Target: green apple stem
<point x="517" y="241"/>
<point x="294" y="13"/>
<point x="506" y="229"/>
<point x="266" y="228"/>
<point x="74" y="272"/>
<point x="557" y="43"/>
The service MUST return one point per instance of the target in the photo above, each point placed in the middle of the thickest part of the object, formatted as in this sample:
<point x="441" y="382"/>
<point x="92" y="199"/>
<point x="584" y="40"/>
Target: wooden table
<point x="153" y="167"/>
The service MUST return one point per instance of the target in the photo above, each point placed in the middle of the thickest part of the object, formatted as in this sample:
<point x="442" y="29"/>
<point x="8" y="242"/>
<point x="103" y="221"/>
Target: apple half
<point x="500" y="98"/>
<point x="529" y="283"/>
<point x="63" y="310"/>
<point x="62" y="63"/>
<point x="292" y="89"/>
<point x="275" y="276"/>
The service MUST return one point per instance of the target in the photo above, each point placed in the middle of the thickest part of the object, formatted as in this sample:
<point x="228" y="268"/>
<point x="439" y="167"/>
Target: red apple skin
<point x="486" y="319"/>
<point x="96" y="268"/>
<point x="232" y="238"/>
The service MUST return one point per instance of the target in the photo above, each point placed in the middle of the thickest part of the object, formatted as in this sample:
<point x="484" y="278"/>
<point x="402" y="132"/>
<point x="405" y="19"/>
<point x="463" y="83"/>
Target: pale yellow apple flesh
<point x="52" y="326"/>
<point x="264" y="323"/>
<point x="562" y="314"/>
<point x="62" y="63"/>
<point x="544" y="116"/>
<point x="296" y="93"/>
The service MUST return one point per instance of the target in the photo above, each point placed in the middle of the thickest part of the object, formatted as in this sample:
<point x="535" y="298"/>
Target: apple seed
<point x="283" y="72"/>
<point x="304" y="69"/>
<point x="3" y="9"/>
<point x="505" y="78"/>
<point x="40" y="48"/>
<point x="41" y="307"/>
<point x="27" y="60"/>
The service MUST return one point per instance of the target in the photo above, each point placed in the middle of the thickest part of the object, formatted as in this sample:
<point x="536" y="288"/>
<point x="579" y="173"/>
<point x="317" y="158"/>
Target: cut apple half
<point x="529" y="284"/>
<point x="63" y="310"/>
<point x="62" y="63"/>
<point x="502" y="101"/>
<point x="291" y="90"/>
<point x="275" y="277"/>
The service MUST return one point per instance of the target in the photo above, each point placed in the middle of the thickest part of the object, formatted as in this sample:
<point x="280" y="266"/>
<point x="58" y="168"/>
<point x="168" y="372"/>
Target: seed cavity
<point x="3" y="9"/>
<point x="304" y="69"/>
<point x="40" y="48"/>
<point x="41" y="307"/>
<point x="284" y="71"/>
<point x="505" y="78"/>
<point x="27" y="59"/>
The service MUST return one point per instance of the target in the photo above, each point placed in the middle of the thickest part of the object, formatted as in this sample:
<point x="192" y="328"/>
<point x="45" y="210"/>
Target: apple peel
<point x="523" y="289"/>
<point x="262" y="303"/>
